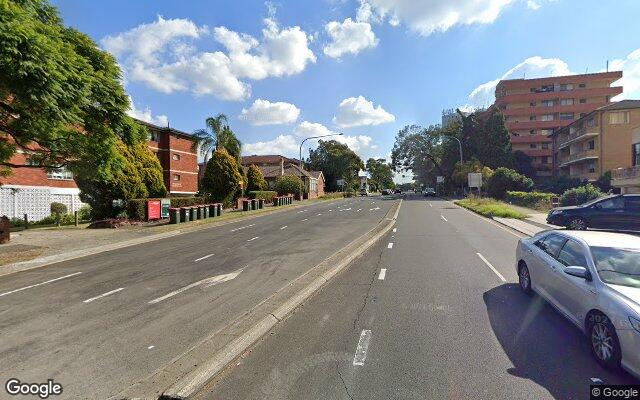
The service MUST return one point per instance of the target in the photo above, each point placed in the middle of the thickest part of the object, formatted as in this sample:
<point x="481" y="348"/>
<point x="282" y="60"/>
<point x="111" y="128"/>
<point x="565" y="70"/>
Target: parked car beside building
<point x="620" y="212"/>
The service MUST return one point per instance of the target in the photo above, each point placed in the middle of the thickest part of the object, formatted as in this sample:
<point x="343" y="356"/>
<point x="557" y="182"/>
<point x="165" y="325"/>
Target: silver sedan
<point x="593" y="279"/>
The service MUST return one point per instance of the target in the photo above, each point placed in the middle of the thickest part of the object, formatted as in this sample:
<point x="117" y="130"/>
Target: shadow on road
<point x="543" y="346"/>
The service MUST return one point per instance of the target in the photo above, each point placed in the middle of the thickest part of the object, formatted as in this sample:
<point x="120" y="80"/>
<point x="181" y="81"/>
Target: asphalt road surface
<point x="100" y="323"/>
<point x="431" y="312"/>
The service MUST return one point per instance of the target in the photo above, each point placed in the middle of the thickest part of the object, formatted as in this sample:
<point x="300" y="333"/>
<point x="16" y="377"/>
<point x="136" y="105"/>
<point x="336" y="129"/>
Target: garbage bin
<point x="212" y="210"/>
<point x="218" y="209"/>
<point x="174" y="215"/>
<point x="193" y="213"/>
<point x="246" y="205"/>
<point x="185" y="214"/>
<point x="261" y="203"/>
<point x="205" y="211"/>
<point x="254" y="204"/>
<point x="200" y="212"/>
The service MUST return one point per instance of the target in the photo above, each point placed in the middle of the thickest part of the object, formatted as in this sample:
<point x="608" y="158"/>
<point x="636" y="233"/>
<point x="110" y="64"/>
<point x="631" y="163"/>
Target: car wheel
<point x="605" y="346"/>
<point x="578" y="224"/>
<point x="524" y="278"/>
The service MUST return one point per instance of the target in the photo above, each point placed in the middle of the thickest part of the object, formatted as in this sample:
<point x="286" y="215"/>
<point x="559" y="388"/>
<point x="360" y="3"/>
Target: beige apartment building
<point x="606" y="139"/>
<point x="535" y="108"/>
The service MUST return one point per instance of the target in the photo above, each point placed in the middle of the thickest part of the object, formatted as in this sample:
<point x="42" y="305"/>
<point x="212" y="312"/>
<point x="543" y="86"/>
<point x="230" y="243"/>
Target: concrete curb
<point x="197" y="378"/>
<point x="57" y="258"/>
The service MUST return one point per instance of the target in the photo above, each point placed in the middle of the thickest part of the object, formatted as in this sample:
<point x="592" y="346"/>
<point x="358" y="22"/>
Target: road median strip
<point x="179" y="379"/>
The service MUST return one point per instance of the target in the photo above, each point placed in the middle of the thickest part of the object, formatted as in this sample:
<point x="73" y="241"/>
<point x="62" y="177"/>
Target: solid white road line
<point x="383" y="273"/>
<point x="103" y="295"/>
<point x="390" y="245"/>
<point x="284" y="227"/>
<point x="202" y="258"/>
<point x="150" y="347"/>
<point x="253" y="238"/>
<point x="492" y="267"/>
<point x="395" y="230"/>
<point x="361" y="349"/>
<point x="442" y="216"/>
<point x="319" y="213"/>
<point x="305" y="219"/>
<point x="40" y="284"/>
<point x="242" y="227"/>
<point x="213" y="280"/>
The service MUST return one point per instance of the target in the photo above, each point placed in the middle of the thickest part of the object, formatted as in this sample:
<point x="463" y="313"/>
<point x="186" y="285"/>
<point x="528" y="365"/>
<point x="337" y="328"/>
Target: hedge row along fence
<point x="266" y="195"/>
<point x="530" y="199"/>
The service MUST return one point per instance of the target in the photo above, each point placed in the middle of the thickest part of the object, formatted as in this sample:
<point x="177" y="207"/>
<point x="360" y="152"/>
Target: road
<point x="98" y="324"/>
<point x="431" y="312"/>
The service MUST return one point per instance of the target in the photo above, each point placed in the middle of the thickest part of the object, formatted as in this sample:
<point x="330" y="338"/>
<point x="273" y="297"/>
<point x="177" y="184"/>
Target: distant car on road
<point x="428" y="192"/>
<point x="397" y="191"/>
<point x="364" y="192"/>
<point x="385" y="192"/>
<point x="620" y="212"/>
<point x="593" y="279"/>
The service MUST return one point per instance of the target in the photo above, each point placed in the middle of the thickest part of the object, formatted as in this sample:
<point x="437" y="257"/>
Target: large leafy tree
<point x="222" y="177"/>
<point x="485" y="138"/>
<point x="217" y="135"/>
<point x="61" y="100"/>
<point x="418" y="150"/>
<point x="255" y="179"/>
<point x="336" y="161"/>
<point x="380" y="173"/>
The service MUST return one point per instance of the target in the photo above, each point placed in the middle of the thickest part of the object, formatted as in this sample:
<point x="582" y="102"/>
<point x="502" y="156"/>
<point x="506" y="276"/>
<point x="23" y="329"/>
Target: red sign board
<point x="153" y="209"/>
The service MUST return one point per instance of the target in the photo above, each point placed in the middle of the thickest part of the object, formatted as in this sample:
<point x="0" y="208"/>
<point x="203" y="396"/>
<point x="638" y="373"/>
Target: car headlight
<point x="635" y="323"/>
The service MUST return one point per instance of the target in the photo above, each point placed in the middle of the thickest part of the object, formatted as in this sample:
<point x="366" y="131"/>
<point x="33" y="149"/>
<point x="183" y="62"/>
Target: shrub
<point x="267" y="195"/>
<point x="580" y="195"/>
<point x="559" y="184"/>
<point x="222" y="177"/>
<point x="490" y="208"/>
<point x="137" y="209"/>
<point x="349" y="193"/>
<point x="530" y="199"/>
<point x="255" y="179"/>
<point x="604" y="182"/>
<point x="288" y="184"/>
<point x="58" y="210"/>
<point x="84" y="213"/>
<point x="178" y="202"/>
<point x="504" y="179"/>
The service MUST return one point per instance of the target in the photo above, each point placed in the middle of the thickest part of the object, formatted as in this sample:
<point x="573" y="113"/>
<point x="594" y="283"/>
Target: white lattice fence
<point x="35" y="202"/>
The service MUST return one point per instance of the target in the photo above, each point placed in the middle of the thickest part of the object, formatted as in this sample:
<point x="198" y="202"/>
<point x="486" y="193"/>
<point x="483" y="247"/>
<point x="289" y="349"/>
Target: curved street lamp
<point x="459" y="144"/>
<point x="300" y="159"/>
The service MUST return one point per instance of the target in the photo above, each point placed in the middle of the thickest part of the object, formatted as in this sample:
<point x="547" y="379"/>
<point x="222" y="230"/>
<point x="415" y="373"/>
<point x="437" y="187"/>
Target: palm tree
<point x="217" y="135"/>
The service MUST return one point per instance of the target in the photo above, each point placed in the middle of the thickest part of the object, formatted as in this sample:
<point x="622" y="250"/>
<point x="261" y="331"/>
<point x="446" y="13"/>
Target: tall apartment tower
<point x="535" y="108"/>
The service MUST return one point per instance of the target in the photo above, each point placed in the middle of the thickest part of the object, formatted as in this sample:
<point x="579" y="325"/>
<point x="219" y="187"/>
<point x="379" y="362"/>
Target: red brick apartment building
<point x="31" y="191"/>
<point x="536" y="108"/>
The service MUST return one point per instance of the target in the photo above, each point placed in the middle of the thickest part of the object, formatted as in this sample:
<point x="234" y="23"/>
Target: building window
<point x="533" y="90"/>
<point x="532" y="104"/>
<point x="566" y="116"/>
<point x="591" y="122"/>
<point x="547" y="88"/>
<point x="545" y="145"/>
<point x="532" y="117"/>
<point x="60" y="174"/>
<point x="566" y="86"/>
<point x="532" y="145"/>
<point x="620" y="117"/>
<point x="547" y="103"/>
<point x="591" y="145"/>
<point x="313" y="185"/>
<point x="591" y="167"/>
<point x="582" y="114"/>
<point x="154" y="136"/>
<point x="548" y="117"/>
<point x="582" y="85"/>
<point x="532" y="132"/>
<point x="545" y="132"/>
<point x="176" y="157"/>
<point x="176" y="177"/>
<point x="566" y="102"/>
<point x="544" y="160"/>
<point x="582" y="101"/>
<point x="635" y="152"/>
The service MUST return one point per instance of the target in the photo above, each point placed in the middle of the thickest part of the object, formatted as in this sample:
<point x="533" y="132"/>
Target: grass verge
<point x="490" y="208"/>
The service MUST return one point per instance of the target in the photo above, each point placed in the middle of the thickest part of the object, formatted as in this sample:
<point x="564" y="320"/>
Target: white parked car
<point x="593" y="278"/>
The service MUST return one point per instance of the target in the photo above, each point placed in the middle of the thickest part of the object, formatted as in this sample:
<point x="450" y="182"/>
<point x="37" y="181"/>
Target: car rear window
<point x="618" y="266"/>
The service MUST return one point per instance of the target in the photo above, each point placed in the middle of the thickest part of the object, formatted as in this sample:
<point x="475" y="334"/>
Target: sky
<point x="290" y="69"/>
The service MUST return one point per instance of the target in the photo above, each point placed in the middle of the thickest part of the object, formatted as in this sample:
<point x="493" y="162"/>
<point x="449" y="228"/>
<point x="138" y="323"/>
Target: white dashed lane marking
<point x="383" y="273"/>
<point x="284" y="227"/>
<point x="40" y="284"/>
<point x="361" y="349"/>
<point x="103" y="295"/>
<point x="242" y="227"/>
<point x="253" y="238"/>
<point x="442" y="216"/>
<point x="390" y="245"/>
<point x="202" y="258"/>
<point x="492" y="267"/>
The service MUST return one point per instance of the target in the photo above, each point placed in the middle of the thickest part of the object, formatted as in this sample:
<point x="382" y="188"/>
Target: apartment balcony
<point x="579" y="157"/>
<point x="578" y="136"/>
<point x="626" y="178"/>
<point x="553" y="95"/>
<point x="527" y="125"/>
<point x="576" y="108"/>
<point x="530" y="139"/>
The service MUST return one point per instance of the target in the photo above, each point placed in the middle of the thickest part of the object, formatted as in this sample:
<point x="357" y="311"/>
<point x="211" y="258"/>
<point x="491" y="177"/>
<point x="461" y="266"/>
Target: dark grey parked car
<point x="619" y="212"/>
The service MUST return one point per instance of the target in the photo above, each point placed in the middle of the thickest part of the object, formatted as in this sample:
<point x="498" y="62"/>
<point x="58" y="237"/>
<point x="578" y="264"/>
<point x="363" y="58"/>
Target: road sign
<point x="439" y="179"/>
<point x="475" y="180"/>
<point x="153" y="209"/>
<point x="165" y="205"/>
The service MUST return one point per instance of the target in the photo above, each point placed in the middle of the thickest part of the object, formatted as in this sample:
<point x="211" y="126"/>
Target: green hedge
<point x="137" y="209"/>
<point x="580" y="195"/>
<point x="177" y="202"/>
<point x="530" y="199"/>
<point x="267" y="195"/>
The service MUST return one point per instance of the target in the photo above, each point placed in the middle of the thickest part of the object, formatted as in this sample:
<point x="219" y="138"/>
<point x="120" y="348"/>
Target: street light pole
<point x="300" y="159"/>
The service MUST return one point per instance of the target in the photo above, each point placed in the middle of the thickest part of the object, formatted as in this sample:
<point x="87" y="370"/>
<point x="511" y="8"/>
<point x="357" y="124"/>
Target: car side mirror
<point x="580" y="272"/>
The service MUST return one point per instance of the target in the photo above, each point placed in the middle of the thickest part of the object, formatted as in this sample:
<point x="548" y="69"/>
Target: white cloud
<point x="358" y="111"/>
<point x="146" y="116"/>
<point x="630" y="67"/>
<point x="532" y="67"/>
<point x="349" y="37"/>
<point x="283" y="144"/>
<point x="289" y="144"/>
<point x="163" y="56"/>
<point x="532" y="5"/>
<point x="429" y="16"/>
<point x="264" y="112"/>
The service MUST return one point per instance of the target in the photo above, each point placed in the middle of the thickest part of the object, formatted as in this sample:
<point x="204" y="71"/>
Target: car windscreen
<point x="618" y="266"/>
